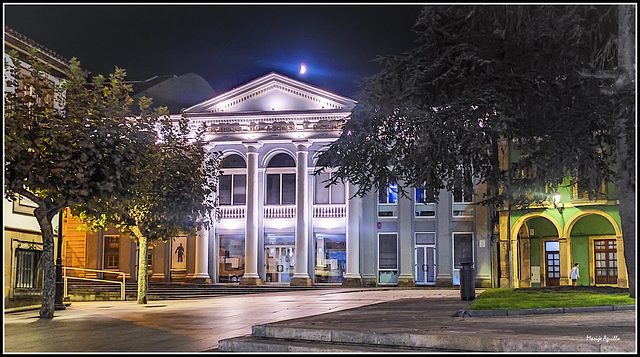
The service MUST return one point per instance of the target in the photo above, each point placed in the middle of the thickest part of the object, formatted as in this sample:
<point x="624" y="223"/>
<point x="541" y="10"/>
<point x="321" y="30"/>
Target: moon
<point x="303" y="68"/>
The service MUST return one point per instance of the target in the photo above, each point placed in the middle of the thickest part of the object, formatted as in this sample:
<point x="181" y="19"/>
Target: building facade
<point x="539" y="245"/>
<point x="22" y="237"/>
<point x="278" y="222"/>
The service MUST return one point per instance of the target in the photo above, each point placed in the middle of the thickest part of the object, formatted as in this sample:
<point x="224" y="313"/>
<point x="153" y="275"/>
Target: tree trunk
<point x="143" y="272"/>
<point x="625" y="180"/>
<point x="627" y="209"/>
<point x="48" y="263"/>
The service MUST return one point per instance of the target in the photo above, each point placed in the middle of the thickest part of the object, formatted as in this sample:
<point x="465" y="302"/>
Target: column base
<point x="352" y="282"/>
<point x="406" y="282"/>
<point x="301" y="282"/>
<point x="198" y="280"/>
<point x="486" y="283"/>
<point x="504" y="283"/>
<point x="250" y="281"/>
<point x="157" y="278"/>
<point x="448" y="282"/>
<point x="369" y="282"/>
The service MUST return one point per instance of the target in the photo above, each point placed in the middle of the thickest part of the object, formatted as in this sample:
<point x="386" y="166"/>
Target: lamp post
<point x="58" y="303"/>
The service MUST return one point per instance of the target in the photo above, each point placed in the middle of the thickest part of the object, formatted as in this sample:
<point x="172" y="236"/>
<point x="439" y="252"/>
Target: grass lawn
<point x="565" y="296"/>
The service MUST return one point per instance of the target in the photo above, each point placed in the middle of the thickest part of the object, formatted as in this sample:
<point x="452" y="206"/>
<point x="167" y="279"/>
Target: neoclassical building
<point x="278" y="222"/>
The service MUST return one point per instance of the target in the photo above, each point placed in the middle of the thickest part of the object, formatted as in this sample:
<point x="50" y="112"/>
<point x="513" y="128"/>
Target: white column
<point x="251" y="276"/>
<point x="301" y="269"/>
<point x="354" y="212"/>
<point x="202" y="255"/>
<point x="406" y="213"/>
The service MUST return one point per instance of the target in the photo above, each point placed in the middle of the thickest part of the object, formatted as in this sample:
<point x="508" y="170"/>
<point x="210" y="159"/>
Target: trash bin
<point x="467" y="281"/>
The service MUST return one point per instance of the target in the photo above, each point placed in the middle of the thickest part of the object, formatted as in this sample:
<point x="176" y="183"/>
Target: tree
<point x="64" y="145"/>
<point x="172" y="193"/>
<point x="545" y="79"/>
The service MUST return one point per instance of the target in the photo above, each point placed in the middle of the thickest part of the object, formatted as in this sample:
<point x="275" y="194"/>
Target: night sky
<point x="227" y="45"/>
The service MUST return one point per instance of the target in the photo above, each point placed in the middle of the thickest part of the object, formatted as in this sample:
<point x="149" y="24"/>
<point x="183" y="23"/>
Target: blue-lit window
<point x="389" y="195"/>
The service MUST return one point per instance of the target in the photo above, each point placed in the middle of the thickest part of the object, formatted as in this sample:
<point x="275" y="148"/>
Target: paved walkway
<point x="196" y="325"/>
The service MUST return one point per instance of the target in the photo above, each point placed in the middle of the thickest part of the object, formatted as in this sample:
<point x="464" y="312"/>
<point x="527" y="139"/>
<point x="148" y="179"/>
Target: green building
<point x="538" y="246"/>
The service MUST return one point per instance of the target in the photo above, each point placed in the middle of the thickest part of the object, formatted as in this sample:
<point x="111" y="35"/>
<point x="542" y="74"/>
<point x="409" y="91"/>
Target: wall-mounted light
<point x="556" y="202"/>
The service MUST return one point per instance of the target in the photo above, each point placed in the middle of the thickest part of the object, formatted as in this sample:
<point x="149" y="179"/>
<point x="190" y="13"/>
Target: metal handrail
<point x="122" y="284"/>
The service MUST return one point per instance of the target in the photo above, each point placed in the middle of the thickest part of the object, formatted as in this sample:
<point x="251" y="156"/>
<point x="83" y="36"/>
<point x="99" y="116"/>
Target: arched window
<point x="233" y="181"/>
<point x="281" y="180"/>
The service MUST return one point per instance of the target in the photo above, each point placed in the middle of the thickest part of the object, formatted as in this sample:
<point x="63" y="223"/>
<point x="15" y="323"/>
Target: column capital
<point x="252" y="146"/>
<point x="302" y="145"/>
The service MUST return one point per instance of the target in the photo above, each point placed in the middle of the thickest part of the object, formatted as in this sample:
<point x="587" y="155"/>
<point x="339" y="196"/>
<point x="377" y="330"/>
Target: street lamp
<point x="556" y="202"/>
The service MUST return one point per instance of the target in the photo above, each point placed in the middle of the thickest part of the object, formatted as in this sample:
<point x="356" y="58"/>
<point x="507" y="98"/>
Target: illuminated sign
<point x="275" y="127"/>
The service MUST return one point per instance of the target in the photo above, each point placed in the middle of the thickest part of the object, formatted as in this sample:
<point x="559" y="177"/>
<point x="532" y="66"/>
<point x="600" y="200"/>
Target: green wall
<point x="535" y="257"/>
<point x="580" y="251"/>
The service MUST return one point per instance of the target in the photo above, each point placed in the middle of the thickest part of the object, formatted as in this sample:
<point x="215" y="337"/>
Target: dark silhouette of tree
<point x="557" y="83"/>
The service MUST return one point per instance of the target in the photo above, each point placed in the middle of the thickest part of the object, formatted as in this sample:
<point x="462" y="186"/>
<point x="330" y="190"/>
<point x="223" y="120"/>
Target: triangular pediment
<point x="271" y="93"/>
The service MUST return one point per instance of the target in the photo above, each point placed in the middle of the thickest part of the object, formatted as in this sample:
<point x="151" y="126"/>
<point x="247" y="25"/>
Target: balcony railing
<point x="288" y="211"/>
<point x="329" y="211"/>
<point x="279" y="212"/>
<point x="232" y="212"/>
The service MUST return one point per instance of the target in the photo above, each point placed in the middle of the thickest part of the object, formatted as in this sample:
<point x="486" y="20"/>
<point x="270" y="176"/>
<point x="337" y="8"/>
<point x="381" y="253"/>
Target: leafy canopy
<point x="481" y="76"/>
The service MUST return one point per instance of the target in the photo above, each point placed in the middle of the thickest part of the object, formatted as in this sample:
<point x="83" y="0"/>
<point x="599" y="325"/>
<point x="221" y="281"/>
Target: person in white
<point x="575" y="273"/>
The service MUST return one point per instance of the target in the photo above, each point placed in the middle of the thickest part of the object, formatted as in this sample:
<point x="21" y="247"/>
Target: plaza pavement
<point x="332" y="320"/>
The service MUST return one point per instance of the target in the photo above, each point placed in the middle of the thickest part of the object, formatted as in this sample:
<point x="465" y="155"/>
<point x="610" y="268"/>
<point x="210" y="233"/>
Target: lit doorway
<point x="552" y="262"/>
<point x="279" y="263"/>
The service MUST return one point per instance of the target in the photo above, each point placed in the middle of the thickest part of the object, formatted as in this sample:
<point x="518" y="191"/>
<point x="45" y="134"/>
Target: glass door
<point x="279" y="264"/>
<point x="552" y="260"/>
<point x="425" y="267"/>
<point x="606" y="259"/>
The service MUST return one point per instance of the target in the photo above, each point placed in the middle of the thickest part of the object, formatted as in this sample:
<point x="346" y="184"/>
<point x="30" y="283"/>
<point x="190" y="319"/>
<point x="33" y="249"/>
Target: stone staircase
<point x="100" y="291"/>
<point x="270" y="339"/>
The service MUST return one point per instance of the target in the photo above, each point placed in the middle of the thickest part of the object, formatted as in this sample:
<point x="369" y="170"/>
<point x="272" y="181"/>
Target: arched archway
<point x="596" y="244"/>
<point x="529" y="247"/>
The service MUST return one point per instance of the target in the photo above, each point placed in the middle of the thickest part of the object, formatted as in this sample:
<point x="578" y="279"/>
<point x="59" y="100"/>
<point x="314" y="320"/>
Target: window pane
<point x="231" y="258"/>
<point x="337" y="193"/>
<point x="457" y="194"/>
<point x="233" y="161"/>
<point x="281" y="160"/>
<point x="239" y="189"/>
<point x="111" y="252"/>
<point x="322" y="192"/>
<point x="425" y="238"/>
<point x="393" y="193"/>
<point x="388" y="251"/>
<point x="462" y="249"/>
<point x="288" y="189"/>
<point x="382" y="196"/>
<point x="273" y="189"/>
<point x="224" y="194"/>
<point x="553" y="246"/>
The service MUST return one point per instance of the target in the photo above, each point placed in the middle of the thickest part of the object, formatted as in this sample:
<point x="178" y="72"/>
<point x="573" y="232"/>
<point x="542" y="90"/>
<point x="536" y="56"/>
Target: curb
<point x="541" y="311"/>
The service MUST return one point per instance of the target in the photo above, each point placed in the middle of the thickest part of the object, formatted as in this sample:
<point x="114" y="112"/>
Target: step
<point x="250" y="343"/>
